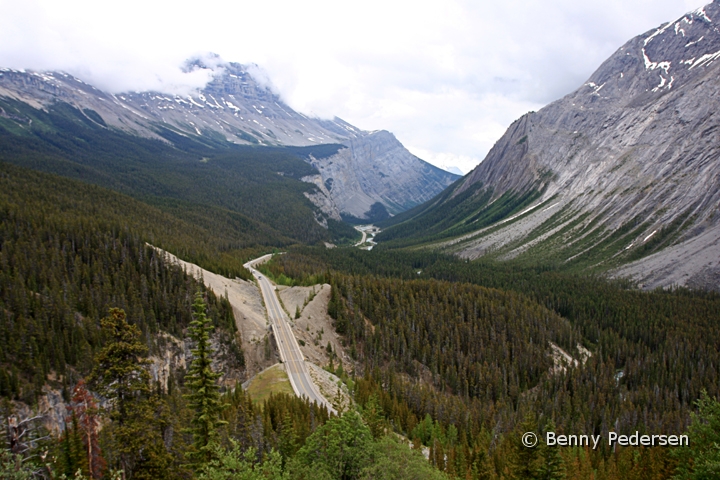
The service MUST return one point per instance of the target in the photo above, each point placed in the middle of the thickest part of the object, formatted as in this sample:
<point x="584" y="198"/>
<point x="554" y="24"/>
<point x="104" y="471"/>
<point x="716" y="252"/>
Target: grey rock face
<point x="376" y="167"/>
<point x="322" y="197"/>
<point x="638" y="143"/>
<point x="234" y="107"/>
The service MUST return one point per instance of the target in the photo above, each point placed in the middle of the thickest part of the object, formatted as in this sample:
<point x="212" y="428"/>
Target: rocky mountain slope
<point x="623" y="172"/>
<point x="235" y="108"/>
<point x="377" y="168"/>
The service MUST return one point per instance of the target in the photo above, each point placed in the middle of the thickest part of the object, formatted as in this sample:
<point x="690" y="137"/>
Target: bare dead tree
<point x="19" y="437"/>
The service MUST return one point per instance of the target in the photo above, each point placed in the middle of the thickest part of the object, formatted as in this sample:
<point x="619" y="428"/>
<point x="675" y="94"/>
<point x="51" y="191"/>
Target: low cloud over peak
<point x="447" y="77"/>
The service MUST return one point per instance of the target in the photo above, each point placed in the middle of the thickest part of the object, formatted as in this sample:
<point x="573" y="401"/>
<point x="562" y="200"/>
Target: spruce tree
<point x="201" y="380"/>
<point x="525" y="461"/>
<point x="372" y="414"/>
<point x="136" y="444"/>
<point x="553" y="467"/>
<point x="119" y="373"/>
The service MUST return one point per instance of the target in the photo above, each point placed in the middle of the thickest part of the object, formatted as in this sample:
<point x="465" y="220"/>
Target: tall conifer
<point x="204" y="396"/>
<point x="120" y="375"/>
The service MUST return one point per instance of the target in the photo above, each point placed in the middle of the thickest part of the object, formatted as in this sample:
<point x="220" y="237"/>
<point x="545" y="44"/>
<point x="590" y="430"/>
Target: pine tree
<point x="553" y="467"/>
<point x="339" y="449"/>
<point x="373" y="416"/>
<point x="72" y="455"/>
<point x="140" y="441"/>
<point x="204" y="396"/>
<point x="701" y="458"/>
<point x="13" y="468"/>
<point x="287" y="439"/>
<point x="119" y="374"/>
<point x="525" y="461"/>
<point x="234" y="463"/>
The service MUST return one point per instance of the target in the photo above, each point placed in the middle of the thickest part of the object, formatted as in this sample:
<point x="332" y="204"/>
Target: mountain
<point x="247" y="197"/>
<point x="455" y="170"/>
<point x="236" y="108"/>
<point x="621" y="175"/>
<point x="377" y="168"/>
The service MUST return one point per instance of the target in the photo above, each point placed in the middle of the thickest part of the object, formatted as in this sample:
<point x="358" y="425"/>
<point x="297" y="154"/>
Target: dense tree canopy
<point x="453" y="360"/>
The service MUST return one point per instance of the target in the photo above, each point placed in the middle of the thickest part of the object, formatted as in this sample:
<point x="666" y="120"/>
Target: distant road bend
<point x="290" y="353"/>
<point x="364" y="236"/>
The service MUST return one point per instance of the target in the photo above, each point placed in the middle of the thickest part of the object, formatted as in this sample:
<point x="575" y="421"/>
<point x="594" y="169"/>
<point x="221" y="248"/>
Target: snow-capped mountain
<point x="234" y="107"/>
<point x="626" y="169"/>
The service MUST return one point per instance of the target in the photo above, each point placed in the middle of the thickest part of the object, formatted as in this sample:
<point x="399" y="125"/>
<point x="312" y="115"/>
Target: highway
<point x="372" y="230"/>
<point x="290" y="353"/>
<point x="364" y="237"/>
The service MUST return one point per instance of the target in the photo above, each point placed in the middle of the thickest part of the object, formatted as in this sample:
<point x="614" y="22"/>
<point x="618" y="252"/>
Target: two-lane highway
<point x="290" y="352"/>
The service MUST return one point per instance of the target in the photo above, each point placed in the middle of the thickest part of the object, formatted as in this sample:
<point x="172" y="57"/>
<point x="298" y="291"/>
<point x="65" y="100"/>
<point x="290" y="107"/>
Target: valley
<point x="617" y="177"/>
<point x="212" y="285"/>
<point x="234" y="109"/>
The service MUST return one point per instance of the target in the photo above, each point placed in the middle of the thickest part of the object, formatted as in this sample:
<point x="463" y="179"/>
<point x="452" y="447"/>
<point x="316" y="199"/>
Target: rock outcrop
<point x="377" y="168"/>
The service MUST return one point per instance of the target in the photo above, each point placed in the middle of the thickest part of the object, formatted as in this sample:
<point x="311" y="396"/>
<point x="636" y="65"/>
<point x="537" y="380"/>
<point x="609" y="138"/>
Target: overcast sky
<point x="446" y="77"/>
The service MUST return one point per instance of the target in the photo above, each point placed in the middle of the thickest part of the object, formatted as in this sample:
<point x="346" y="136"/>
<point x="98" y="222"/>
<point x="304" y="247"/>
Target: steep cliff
<point x="377" y="168"/>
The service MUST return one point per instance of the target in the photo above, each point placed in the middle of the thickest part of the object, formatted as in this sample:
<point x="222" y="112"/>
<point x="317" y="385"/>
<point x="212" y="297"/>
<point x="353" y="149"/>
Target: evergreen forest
<point x="116" y="363"/>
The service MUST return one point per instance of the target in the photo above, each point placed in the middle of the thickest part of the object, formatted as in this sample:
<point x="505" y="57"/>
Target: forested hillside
<point x="69" y="252"/>
<point x="469" y="346"/>
<point x="449" y="215"/>
<point x="249" y="196"/>
<point x="85" y="303"/>
<point x="618" y="177"/>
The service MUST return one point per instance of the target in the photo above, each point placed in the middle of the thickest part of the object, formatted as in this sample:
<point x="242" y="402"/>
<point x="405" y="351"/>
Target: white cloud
<point x="447" y="77"/>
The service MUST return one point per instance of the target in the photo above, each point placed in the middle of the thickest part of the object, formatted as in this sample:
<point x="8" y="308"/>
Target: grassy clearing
<point x="271" y="380"/>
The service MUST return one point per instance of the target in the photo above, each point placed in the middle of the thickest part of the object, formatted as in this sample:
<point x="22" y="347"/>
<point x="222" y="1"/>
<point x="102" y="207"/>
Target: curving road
<point x="290" y="353"/>
<point x="364" y="236"/>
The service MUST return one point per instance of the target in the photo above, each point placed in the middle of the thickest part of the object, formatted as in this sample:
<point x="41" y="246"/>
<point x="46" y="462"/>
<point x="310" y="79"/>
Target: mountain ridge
<point x="234" y="108"/>
<point x="626" y="166"/>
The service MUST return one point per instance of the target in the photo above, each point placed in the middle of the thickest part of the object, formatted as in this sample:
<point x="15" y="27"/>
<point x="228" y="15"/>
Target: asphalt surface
<point x="364" y="236"/>
<point x="290" y="353"/>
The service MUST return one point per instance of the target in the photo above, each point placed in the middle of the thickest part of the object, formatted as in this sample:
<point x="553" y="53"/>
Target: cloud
<point x="447" y="77"/>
